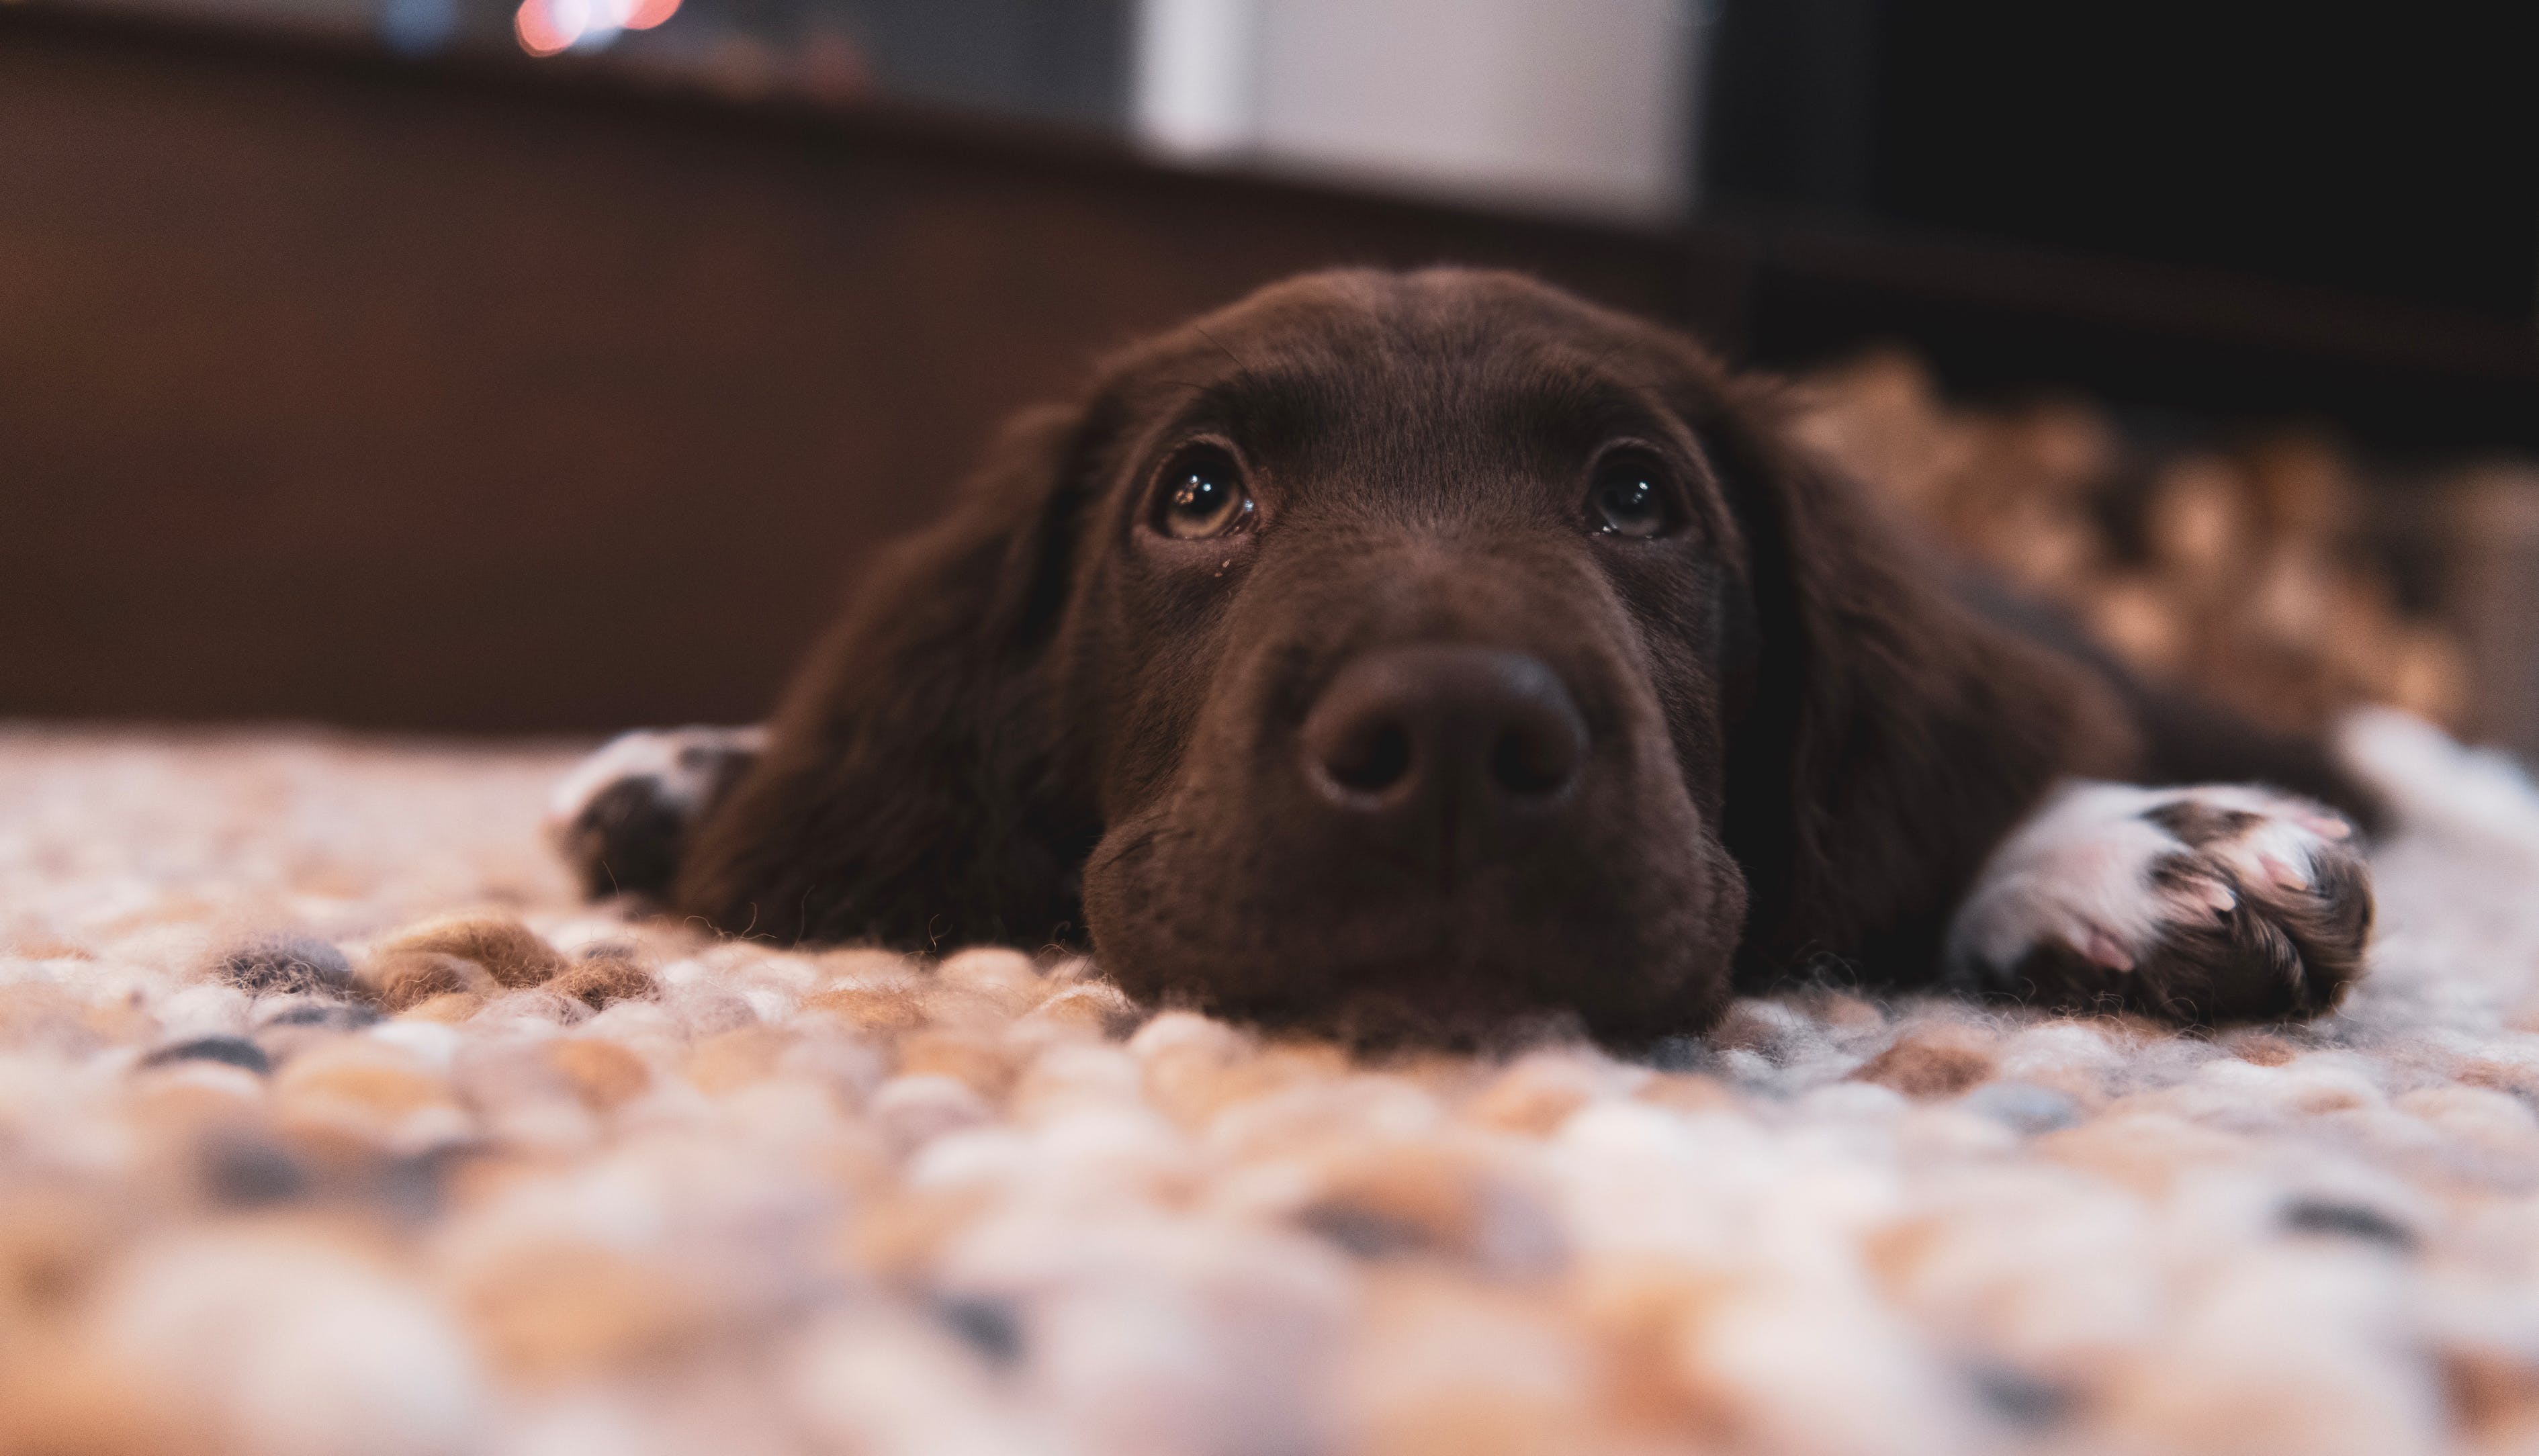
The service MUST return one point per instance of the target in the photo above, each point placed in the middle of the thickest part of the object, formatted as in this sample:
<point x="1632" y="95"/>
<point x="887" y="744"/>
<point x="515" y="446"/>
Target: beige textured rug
<point x="283" y="1173"/>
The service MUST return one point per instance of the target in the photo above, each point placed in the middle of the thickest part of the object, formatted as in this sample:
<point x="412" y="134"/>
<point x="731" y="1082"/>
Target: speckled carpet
<point x="330" y="1124"/>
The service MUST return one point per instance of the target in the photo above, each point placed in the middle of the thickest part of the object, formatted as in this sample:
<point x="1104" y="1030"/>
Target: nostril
<point x="1532" y="762"/>
<point x="1372" y="759"/>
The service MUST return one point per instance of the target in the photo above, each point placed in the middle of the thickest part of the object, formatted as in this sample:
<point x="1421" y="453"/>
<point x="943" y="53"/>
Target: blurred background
<point x="551" y="365"/>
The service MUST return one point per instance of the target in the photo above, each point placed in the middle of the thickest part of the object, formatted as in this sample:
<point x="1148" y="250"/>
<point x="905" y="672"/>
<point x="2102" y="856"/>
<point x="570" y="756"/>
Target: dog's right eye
<point x="1202" y="495"/>
<point x="1628" y="498"/>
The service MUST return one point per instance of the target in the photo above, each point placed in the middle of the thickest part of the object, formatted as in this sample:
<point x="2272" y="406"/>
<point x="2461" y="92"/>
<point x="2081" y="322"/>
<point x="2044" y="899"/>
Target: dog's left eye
<point x="1628" y="498"/>
<point x="1202" y="496"/>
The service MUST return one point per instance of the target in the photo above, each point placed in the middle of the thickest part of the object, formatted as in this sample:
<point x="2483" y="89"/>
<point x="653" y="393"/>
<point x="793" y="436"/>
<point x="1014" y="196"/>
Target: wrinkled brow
<point x="1571" y="403"/>
<point x="1260" y="407"/>
<point x="1525" y="396"/>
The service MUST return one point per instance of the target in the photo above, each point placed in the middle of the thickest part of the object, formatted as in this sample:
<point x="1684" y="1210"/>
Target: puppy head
<point x="1406" y="627"/>
<point x="1381" y="647"/>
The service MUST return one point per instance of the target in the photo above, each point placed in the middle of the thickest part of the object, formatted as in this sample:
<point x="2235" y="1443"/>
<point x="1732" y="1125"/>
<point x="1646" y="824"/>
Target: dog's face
<point x="1387" y="648"/>
<point x="1403" y="628"/>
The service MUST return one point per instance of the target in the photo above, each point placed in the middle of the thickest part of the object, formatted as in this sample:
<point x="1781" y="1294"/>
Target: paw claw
<point x="2213" y="895"/>
<point x="2283" y="873"/>
<point x="2106" y="951"/>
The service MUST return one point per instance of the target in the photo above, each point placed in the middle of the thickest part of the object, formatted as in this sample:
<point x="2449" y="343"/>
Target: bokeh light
<point x="550" y="26"/>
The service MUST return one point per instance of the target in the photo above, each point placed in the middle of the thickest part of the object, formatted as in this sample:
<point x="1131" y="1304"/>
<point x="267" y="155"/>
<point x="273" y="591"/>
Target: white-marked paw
<point x="2202" y="905"/>
<point x="621" y="817"/>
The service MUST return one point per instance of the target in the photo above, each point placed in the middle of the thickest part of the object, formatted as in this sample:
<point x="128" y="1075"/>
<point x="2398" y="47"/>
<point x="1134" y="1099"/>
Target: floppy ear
<point x="1894" y="733"/>
<point x="913" y="792"/>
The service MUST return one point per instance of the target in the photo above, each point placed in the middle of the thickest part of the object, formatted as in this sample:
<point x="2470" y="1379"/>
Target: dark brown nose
<point x="1442" y="741"/>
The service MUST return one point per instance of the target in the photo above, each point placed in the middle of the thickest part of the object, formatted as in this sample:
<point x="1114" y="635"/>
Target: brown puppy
<point x="1435" y="648"/>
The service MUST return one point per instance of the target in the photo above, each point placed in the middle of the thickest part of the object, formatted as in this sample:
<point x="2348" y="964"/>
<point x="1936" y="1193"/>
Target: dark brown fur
<point x="1040" y="720"/>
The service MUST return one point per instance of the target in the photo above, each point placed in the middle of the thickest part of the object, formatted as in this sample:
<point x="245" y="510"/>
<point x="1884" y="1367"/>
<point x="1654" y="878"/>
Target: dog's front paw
<point x="621" y="817"/>
<point x="2204" y="905"/>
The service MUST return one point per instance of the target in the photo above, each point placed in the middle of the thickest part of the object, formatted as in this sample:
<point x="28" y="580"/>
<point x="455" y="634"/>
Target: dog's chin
<point x="1459" y="974"/>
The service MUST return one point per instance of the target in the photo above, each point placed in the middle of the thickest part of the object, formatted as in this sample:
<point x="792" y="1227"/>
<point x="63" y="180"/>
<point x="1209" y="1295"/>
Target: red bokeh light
<point x="534" y="23"/>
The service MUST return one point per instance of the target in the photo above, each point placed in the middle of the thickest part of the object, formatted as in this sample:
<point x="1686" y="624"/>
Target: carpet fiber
<point x="292" y="1161"/>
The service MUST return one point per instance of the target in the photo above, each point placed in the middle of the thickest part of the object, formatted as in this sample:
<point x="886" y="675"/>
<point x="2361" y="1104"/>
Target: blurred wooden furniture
<point x="491" y="394"/>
